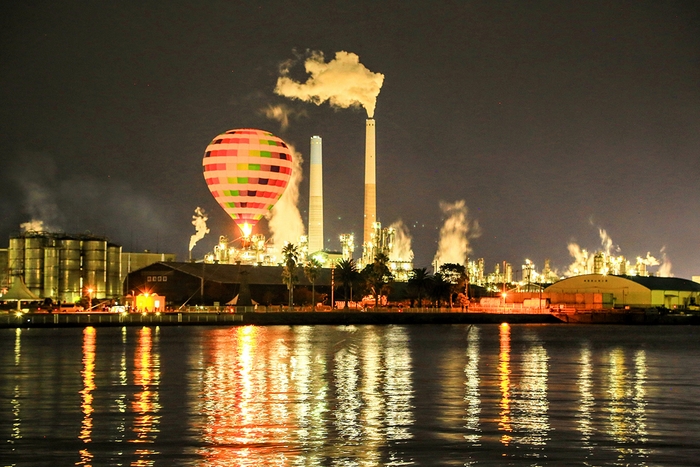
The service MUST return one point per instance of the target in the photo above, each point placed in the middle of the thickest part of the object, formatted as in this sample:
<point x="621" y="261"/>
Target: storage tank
<point x="51" y="259"/>
<point x="34" y="264"/>
<point x="114" y="271"/>
<point x="69" y="270"/>
<point x="15" y="256"/>
<point x="95" y="266"/>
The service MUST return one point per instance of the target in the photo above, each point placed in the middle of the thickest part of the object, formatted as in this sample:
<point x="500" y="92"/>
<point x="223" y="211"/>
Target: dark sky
<point x="550" y="119"/>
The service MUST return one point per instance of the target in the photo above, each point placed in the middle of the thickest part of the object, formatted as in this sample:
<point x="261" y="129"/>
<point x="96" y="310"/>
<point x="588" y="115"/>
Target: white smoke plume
<point x="282" y="114"/>
<point x="343" y="82"/>
<point x="665" y="267"/>
<point x="649" y="260"/>
<point x="583" y="261"/>
<point x="401" y="249"/>
<point x="33" y="225"/>
<point x="284" y="220"/>
<point x="453" y="246"/>
<point x="199" y="220"/>
<point x="607" y="242"/>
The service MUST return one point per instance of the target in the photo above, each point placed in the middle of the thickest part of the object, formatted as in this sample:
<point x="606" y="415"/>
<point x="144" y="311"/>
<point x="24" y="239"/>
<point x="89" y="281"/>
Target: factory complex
<point x="247" y="171"/>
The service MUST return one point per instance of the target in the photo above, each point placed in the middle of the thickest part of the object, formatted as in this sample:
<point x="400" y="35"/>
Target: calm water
<point x="351" y="396"/>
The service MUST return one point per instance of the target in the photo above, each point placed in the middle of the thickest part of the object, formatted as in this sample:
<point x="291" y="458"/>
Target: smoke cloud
<point x="199" y="220"/>
<point x="33" y="225"/>
<point x="401" y="249"/>
<point x="665" y="267"/>
<point x="284" y="221"/>
<point x="453" y="246"/>
<point x="282" y="114"/>
<point x="343" y="82"/>
<point x="583" y="262"/>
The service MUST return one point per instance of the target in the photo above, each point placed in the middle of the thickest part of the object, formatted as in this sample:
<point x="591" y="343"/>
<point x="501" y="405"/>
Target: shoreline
<point x="53" y="320"/>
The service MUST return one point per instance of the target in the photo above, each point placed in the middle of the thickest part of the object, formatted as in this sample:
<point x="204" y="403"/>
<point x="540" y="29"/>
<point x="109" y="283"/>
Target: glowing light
<point x="247" y="229"/>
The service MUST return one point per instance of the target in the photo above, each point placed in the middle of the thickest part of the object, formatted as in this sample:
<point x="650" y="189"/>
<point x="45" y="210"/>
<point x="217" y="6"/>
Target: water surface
<point x="418" y="395"/>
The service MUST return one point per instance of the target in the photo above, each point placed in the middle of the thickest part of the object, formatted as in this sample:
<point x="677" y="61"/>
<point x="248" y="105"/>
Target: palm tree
<point x="455" y="275"/>
<point x="440" y="287"/>
<point x="420" y="280"/>
<point x="378" y="276"/>
<point x="311" y="270"/>
<point x="291" y="256"/>
<point x="346" y="271"/>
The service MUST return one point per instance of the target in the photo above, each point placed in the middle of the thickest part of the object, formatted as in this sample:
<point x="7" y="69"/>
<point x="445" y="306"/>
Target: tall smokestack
<point x="316" y="197"/>
<point x="370" y="181"/>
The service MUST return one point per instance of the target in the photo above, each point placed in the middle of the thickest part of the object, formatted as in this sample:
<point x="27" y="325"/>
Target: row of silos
<point x="64" y="267"/>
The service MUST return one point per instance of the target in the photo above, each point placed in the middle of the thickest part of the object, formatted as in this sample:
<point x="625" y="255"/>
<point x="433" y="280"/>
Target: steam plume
<point x="33" y="225"/>
<point x="606" y="242"/>
<point x="343" y="82"/>
<point x="583" y="262"/>
<point x="455" y="234"/>
<point x="282" y="114"/>
<point x="665" y="268"/>
<point x="285" y="220"/>
<point x="199" y="220"/>
<point x="401" y="249"/>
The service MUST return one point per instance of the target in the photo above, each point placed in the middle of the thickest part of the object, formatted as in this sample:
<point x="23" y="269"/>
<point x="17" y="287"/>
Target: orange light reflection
<point x="504" y="423"/>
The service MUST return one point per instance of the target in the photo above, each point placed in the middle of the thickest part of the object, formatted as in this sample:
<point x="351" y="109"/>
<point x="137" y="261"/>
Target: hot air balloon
<point x="247" y="171"/>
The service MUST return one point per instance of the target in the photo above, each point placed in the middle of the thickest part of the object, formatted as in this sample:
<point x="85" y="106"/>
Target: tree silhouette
<point x="420" y="280"/>
<point x="312" y="268"/>
<point x="290" y="252"/>
<point x="378" y="277"/>
<point x="455" y="275"/>
<point x="346" y="271"/>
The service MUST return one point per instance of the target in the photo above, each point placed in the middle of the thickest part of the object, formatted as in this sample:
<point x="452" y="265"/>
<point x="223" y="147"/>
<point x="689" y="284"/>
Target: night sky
<point x="550" y="119"/>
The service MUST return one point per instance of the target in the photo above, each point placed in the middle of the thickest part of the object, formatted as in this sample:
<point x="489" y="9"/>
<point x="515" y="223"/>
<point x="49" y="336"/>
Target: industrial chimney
<point x="370" y="182"/>
<point x="316" y="197"/>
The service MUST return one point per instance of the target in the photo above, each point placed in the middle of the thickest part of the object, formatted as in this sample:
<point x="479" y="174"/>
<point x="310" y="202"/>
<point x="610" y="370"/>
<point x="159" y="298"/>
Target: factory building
<point x="219" y="284"/>
<point x="64" y="267"/>
<point x="629" y="291"/>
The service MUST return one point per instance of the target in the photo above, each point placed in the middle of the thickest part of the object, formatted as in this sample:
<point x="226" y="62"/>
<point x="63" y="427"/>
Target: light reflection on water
<point x="349" y="396"/>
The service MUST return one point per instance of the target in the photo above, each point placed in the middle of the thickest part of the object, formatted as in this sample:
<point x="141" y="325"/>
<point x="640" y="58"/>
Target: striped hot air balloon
<point x="247" y="171"/>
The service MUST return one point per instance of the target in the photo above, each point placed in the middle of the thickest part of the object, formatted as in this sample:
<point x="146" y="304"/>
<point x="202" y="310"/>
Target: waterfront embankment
<point x="262" y="319"/>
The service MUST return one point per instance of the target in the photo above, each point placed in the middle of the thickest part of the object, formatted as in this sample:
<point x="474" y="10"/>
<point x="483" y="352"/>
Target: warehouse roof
<point x="665" y="283"/>
<point x="231" y="273"/>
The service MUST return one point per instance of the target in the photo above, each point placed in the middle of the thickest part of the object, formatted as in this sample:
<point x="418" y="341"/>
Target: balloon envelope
<point x="247" y="171"/>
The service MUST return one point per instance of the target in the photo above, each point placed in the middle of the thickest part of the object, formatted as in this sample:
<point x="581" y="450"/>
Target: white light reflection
<point x="398" y="385"/>
<point x="16" y="394"/>
<point x="530" y="399"/>
<point x="347" y="416"/>
<point x="308" y="376"/>
<point x="472" y="397"/>
<point x="587" y="401"/>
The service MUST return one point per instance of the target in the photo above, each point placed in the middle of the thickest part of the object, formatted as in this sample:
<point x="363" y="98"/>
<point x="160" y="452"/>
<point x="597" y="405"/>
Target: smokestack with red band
<point x="316" y="197"/>
<point x="370" y="181"/>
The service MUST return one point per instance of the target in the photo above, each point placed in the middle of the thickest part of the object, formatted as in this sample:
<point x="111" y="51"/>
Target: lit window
<point x="165" y="278"/>
<point x="148" y="279"/>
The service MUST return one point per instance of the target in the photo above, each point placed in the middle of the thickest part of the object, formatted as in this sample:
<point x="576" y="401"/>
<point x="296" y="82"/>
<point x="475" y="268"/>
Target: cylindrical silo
<point x="69" y="270"/>
<point x="114" y="271"/>
<point x="15" y="256"/>
<point x="34" y="264"/>
<point x="51" y="259"/>
<point x="95" y="266"/>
